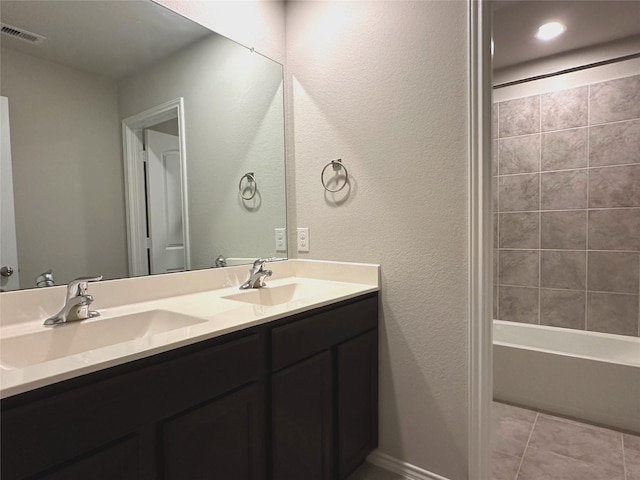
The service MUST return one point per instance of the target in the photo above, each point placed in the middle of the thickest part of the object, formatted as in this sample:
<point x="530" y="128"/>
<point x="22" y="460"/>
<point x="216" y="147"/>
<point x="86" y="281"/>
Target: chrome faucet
<point x="256" y="275"/>
<point x="76" y="306"/>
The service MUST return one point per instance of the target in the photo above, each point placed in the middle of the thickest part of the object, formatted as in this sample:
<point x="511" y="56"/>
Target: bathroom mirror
<point x="132" y="131"/>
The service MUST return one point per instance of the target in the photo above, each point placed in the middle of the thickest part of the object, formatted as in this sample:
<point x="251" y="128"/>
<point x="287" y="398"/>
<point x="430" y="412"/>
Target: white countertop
<point x="322" y="283"/>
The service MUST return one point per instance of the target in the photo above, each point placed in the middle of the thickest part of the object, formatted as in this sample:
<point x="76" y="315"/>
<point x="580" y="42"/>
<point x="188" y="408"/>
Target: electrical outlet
<point x="281" y="240"/>
<point x="303" y="240"/>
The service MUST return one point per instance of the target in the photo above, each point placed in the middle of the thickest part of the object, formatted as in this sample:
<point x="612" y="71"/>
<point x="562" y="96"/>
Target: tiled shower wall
<point x="567" y="208"/>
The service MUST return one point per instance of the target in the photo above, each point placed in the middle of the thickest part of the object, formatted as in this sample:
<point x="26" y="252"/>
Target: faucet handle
<point x="259" y="262"/>
<point x="80" y="285"/>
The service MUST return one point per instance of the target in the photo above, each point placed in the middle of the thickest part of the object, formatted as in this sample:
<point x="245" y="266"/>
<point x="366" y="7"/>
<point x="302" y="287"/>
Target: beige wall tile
<point x="519" y="193"/>
<point x="564" y="149"/>
<point x="613" y="272"/>
<point x="564" y="109"/>
<point x="563" y="190"/>
<point x="614" y="186"/>
<point x="615" y="100"/>
<point x="563" y="269"/>
<point x="519" y="117"/>
<point x="612" y="313"/>
<point x="562" y="308"/>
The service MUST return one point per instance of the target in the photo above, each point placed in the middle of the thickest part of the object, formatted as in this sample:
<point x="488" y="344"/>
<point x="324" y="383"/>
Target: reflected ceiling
<point x="80" y="34"/>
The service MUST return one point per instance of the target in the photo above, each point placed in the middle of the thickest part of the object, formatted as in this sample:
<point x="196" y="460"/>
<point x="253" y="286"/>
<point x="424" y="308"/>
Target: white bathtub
<point x="585" y="375"/>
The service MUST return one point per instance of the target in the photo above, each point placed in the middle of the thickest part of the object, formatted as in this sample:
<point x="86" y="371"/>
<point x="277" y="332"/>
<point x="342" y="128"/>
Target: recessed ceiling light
<point x="550" y="30"/>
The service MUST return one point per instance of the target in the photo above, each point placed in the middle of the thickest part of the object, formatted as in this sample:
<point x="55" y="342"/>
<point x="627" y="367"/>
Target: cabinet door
<point x="117" y="462"/>
<point x="357" y="401"/>
<point x="302" y="417"/>
<point x="222" y="440"/>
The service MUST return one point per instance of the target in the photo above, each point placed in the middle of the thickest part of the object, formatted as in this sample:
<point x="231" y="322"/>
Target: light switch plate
<point x="303" y="239"/>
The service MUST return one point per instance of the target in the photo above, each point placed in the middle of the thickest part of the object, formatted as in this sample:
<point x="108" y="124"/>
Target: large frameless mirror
<point x="134" y="142"/>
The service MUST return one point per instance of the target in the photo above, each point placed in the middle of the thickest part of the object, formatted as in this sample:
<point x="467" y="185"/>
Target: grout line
<point x="567" y="289"/>
<point x="624" y="459"/>
<point x="497" y="220"/>
<point x="560" y="170"/>
<point x="535" y="421"/>
<point x="613" y="165"/>
<point x="611" y="123"/>
<point x="586" y="268"/>
<point x="498" y="103"/>
<point x="520" y="174"/>
<point x="567" y="129"/>
<point x="588" y="109"/>
<point x="539" y="222"/>
<point x="497" y="217"/>
<point x="566" y="250"/>
<point x="571" y="210"/>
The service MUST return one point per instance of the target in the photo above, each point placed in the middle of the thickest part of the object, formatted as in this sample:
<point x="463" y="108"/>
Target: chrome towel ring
<point x="250" y="180"/>
<point x="337" y="165"/>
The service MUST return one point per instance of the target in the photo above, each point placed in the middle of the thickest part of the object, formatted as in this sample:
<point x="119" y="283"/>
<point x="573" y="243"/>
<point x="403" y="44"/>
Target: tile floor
<point x="533" y="446"/>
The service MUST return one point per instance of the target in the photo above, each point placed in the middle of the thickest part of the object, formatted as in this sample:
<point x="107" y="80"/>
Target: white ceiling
<point x="105" y="37"/>
<point x="589" y="23"/>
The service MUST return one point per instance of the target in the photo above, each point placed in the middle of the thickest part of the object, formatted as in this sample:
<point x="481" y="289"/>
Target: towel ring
<point x="336" y="164"/>
<point x="250" y="179"/>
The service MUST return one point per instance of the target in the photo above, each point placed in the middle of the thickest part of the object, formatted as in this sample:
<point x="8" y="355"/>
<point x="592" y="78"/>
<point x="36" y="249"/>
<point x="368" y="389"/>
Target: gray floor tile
<point x="586" y="443"/>
<point x="504" y="467"/>
<point x="511" y="429"/>
<point x="631" y="442"/>
<point x="632" y="464"/>
<point x="544" y="465"/>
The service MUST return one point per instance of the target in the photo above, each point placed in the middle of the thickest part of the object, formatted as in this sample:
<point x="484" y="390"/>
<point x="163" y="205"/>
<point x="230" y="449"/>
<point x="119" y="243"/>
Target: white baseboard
<point x="411" y="472"/>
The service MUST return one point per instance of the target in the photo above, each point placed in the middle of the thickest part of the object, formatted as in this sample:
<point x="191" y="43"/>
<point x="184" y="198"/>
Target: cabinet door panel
<point x="221" y="440"/>
<point x="118" y="462"/>
<point x="357" y="401"/>
<point x="53" y="430"/>
<point x="302" y="421"/>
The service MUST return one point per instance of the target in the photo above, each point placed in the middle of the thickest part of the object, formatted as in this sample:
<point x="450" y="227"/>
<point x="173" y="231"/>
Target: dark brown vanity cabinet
<point x="324" y="393"/>
<point x="294" y="398"/>
<point x="198" y="409"/>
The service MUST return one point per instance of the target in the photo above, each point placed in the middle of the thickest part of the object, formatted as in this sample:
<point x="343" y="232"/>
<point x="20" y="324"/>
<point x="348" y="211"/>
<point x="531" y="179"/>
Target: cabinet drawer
<point x="46" y="432"/>
<point x="303" y="338"/>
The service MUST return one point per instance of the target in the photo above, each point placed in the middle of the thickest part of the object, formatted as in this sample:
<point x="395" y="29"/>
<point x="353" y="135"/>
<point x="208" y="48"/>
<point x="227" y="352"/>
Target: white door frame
<point x="132" y="144"/>
<point x="480" y="241"/>
<point x="9" y="247"/>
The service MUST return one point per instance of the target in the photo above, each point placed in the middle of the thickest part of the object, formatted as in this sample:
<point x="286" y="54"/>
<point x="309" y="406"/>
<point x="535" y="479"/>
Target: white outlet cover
<point x="281" y="239"/>
<point x="303" y="239"/>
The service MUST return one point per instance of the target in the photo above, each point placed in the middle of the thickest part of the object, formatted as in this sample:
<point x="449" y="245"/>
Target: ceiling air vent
<point x="22" y="34"/>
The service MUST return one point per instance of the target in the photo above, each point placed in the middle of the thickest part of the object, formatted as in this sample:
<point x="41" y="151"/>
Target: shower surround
<point x="566" y="172"/>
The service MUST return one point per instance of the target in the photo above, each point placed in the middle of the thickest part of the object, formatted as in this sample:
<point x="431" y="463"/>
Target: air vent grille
<point x="22" y="34"/>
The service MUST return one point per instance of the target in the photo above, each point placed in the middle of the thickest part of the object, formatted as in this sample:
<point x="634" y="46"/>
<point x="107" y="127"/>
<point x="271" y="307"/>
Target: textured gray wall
<point x="383" y="85"/>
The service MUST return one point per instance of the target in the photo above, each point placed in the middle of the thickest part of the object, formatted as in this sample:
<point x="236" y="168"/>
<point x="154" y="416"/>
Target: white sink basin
<point x="77" y="337"/>
<point x="270" y="296"/>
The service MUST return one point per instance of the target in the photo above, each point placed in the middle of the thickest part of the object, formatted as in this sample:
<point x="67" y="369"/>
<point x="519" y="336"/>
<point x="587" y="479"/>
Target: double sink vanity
<point x="186" y="376"/>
